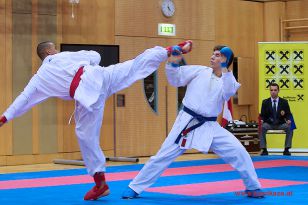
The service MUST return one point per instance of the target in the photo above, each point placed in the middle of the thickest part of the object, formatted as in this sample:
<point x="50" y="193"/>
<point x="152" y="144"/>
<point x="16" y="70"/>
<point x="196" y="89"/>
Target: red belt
<point x="75" y="81"/>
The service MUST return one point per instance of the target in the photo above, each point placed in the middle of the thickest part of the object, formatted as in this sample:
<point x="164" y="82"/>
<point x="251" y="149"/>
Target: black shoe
<point x="287" y="153"/>
<point x="264" y="152"/>
<point x="257" y="193"/>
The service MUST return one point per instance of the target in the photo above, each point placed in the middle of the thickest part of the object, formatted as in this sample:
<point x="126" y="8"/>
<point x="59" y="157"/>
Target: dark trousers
<point x="285" y="127"/>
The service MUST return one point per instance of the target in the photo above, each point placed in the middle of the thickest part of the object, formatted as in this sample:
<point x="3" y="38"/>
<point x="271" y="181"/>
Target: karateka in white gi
<point x="78" y="76"/>
<point x="196" y="126"/>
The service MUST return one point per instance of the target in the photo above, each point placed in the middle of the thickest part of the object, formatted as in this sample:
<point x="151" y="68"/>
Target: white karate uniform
<point x="54" y="77"/>
<point x="205" y="95"/>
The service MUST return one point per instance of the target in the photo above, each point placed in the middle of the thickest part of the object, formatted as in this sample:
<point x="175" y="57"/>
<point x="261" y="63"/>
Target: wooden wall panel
<point x="236" y="27"/>
<point x="240" y="111"/>
<point x="93" y="22"/>
<point x="46" y="28"/>
<point x="60" y="103"/>
<point x="47" y="7"/>
<point x="107" y="130"/>
<point x="139" y="131"/>
<point x="194" y="19"/>
<point x="273" y="13"/>
<point x="47" y="115"/>
<point x="2" y="160"/>
<point x="70" y="143"/>
<point x="28" y="29"/>
<point x="22" y="72"/>
<point x="48" y="141"/>
<point x="244" y="77"/>
<point x="39" y="159"/>
<point x="2" y="70"/>
<point x="297" y="10"/>
<point x="35" y="65"/>
<point x="21" y="6"/>
<point x="86" y="28"/>
<point x="6" y="73"/>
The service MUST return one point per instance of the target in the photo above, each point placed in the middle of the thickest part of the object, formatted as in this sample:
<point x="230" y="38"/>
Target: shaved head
<point x="45" y="48"/>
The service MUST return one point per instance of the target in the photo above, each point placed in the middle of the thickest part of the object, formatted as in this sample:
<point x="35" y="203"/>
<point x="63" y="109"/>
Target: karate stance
<point x="78" y="76"/>
<point x="196" y="126"/>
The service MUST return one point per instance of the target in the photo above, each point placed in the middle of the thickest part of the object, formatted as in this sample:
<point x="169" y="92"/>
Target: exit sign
<point x="165" y="29"/>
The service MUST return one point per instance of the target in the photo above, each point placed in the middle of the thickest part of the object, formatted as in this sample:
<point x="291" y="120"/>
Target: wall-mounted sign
<point x="165" y="29"/>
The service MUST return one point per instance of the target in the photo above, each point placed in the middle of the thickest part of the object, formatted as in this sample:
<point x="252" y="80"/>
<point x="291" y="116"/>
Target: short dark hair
<point x="218" y="48"/>
<point x="41" y="47"/>
<point x="275" y="85"/>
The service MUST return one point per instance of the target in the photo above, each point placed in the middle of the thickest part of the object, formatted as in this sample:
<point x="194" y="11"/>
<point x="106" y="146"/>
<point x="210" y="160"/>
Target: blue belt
<point x="196" y="116"/>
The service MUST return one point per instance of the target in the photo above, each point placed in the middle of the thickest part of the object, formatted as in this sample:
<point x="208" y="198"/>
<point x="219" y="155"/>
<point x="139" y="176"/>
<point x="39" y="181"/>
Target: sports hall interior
<point x="134" y="130"/>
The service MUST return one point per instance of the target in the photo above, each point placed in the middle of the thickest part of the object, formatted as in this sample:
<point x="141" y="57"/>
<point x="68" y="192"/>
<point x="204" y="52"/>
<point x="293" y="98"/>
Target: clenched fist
<point x="2" y="120"/>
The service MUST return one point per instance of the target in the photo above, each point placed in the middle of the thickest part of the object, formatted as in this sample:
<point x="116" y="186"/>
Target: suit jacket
<point x="282" y="115"/>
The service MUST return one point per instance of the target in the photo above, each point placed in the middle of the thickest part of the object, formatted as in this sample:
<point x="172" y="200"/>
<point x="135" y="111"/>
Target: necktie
<point x="274" y="110"/>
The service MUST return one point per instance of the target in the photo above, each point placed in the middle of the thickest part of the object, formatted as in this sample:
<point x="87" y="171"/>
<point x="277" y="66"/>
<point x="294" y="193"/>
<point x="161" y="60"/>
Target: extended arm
<point x="181" y="75"/>
<point x="27" y="99"/>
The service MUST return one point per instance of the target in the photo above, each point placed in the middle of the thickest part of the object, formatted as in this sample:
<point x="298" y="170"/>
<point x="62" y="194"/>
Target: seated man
<point x="275" y="115"/>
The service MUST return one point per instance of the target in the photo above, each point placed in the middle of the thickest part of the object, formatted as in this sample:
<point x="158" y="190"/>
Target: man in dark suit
<point x="275" y="115"/>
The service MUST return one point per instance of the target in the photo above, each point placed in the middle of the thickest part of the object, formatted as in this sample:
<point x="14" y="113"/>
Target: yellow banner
<point x="286" y="63"/>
